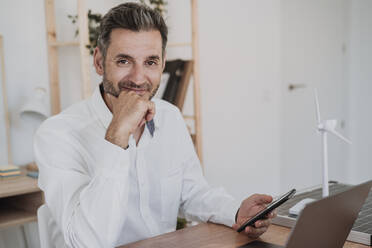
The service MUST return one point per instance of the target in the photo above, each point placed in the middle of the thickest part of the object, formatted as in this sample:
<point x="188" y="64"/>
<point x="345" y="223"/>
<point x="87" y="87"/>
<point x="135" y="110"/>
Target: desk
<point x="20" y="197"/>
<point x="208" y="235"/>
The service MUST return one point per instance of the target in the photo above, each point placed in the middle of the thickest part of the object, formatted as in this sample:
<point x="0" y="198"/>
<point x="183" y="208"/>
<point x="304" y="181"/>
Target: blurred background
<point x="259" y="64"/>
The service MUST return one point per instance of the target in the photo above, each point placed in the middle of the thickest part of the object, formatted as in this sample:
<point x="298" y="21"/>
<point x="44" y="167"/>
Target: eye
<point x="151" y="62"/>
<point x="122" y="62"/>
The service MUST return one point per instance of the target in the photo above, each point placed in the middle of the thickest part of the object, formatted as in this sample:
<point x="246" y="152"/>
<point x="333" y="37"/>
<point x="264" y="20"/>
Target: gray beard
<point x="108" y="87"/>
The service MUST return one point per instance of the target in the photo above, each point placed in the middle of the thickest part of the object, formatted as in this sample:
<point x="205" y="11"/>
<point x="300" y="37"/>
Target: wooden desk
<point x="20" y="197"/>
<point x="212" y="236"/>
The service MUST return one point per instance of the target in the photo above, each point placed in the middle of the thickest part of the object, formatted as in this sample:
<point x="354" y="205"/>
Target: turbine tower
<point x="325" y="127"/>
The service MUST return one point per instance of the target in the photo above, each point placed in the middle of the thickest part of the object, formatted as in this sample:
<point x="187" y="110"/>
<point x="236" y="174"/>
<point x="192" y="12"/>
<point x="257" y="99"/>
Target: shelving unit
<point x="20" y="198"/>
<point x="12" y="217"/>
<point x="54" y="45"/>
<point x="196" y="76"/>
<point x="5" y="101"/>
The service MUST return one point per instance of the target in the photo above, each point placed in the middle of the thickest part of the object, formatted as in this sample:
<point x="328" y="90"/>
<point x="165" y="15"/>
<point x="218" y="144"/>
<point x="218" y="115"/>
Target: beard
<point x="109" y="88"/>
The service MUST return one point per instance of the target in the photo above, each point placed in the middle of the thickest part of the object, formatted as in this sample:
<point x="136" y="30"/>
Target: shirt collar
<point x="103" y="112"/>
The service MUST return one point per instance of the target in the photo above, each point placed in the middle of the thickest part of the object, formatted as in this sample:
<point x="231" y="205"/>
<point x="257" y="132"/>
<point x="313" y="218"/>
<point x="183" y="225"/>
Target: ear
<point x="98" y="61"/>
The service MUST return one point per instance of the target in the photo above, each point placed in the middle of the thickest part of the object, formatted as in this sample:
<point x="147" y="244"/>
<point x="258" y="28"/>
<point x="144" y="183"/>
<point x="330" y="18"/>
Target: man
<point x="119" y="167"/>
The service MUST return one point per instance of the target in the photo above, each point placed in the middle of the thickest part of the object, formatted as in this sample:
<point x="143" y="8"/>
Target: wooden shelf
<point x="20" y="197"/>
<point x="10" y="216"/>
<point x="17" y="186"/>
<point x="189" y="117"/>
<point x="63" y="44"/>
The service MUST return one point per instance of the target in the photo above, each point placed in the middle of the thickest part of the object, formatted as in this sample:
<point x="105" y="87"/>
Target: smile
<point x="138" y="91"/>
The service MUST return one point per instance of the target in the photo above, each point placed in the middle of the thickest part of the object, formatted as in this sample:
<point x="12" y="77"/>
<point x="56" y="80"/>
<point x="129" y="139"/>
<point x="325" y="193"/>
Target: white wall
<point x="360" y="77"/>
<point x="313" y="38"/>
<point x="246" y="61"/>
<point x="23" y="28"/>
<point x="240" y="80"/>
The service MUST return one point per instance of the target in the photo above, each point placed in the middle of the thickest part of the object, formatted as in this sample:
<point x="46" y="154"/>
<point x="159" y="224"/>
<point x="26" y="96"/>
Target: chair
<point x="43" y="219"/>
<point x="50" y="235"/>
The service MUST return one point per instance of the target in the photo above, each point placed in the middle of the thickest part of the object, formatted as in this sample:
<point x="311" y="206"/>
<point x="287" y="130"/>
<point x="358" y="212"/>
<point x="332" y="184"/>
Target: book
<point x="9" y="168"/>
<point x="9" y="174"/>
<point x="175" y="70"/>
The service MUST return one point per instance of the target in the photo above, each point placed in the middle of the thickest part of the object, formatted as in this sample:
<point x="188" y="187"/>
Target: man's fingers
<point x="111" y="98"/>
<point x="149" y="114"/>
<point x="272" y="214"/>
<point x="139" y="103"/>
<point x="151" y="111"/>
<point x="146" y="95"/>
<point x="235" y="226"/>
<point x="254" y="232"/>
<point x="142" y="123"/>
<point x="262" y="199"/>
<point x="262" y="223"/>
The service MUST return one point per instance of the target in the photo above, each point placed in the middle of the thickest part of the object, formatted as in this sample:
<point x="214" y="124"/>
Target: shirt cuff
<point x="229" y="211"/>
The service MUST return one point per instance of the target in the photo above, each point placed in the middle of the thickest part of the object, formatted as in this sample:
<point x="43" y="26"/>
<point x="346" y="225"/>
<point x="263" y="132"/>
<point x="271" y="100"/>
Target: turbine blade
<point x="334" y="132"/>
<point x="317" y="105"/>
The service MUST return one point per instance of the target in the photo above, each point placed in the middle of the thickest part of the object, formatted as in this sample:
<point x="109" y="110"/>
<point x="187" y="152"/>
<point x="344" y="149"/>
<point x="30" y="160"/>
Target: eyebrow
<point x="123" y="56"/>
<point x="154" y="57"/>
<point x="126" y="56"/>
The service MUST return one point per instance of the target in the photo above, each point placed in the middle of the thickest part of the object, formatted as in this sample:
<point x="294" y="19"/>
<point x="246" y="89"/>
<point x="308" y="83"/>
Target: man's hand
<point x="249" y="208"/>
<point x="130" y="111"/>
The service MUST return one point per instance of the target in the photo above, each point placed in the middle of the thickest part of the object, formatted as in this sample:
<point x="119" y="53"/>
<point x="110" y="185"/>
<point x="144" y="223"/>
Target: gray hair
<point x="134" y="17"/>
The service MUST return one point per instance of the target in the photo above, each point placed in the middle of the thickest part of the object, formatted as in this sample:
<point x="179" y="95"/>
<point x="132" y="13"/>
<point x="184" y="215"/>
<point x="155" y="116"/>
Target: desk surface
<point x="210" y="235"/>
<point x="18" y="185"/>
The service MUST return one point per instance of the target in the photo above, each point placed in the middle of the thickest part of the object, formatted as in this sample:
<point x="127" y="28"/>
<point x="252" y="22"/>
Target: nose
<point x="137" y="74"/>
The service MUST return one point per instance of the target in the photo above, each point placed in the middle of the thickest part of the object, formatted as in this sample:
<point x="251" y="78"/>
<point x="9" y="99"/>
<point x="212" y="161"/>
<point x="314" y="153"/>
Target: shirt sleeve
<point x="90" y="209"/>
<point x="199" y="201"/>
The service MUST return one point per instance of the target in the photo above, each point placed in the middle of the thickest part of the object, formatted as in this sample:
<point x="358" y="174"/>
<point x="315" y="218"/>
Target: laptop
<point x="325" y="223"/>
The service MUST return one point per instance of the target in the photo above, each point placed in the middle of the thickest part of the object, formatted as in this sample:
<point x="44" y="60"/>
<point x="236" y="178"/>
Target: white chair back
<point x="50" y="236"/>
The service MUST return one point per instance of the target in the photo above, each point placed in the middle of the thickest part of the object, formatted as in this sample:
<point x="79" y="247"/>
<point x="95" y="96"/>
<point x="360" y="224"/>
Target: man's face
<point x="133" y="62"/>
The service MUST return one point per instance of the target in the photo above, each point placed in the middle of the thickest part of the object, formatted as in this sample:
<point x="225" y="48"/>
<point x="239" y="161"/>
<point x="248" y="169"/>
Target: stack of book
<point x="9" y="171"/>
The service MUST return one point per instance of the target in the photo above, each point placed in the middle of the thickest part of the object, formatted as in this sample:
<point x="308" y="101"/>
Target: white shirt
<point x="100" y="195"/>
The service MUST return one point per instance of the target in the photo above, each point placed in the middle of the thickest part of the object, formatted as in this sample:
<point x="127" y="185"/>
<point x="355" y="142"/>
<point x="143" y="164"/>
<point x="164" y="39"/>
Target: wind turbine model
<point x="324" y="127"/>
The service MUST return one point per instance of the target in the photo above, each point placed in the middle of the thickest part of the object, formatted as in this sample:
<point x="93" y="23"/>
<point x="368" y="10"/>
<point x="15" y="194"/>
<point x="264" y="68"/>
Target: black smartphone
<point x="262" y="214"/>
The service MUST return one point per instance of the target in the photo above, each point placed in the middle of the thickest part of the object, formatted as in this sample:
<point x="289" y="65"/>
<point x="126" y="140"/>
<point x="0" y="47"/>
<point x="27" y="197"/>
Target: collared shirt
<point x="100" y="195"/>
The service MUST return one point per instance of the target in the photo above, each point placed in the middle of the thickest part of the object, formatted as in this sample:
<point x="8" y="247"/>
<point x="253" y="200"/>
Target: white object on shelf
<point x="297" y="208"/>
<point x="36" y="106"/>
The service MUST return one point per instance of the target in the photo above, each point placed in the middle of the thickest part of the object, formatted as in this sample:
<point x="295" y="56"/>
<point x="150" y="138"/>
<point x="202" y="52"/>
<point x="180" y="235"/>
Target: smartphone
<point x="262" y="214"/>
